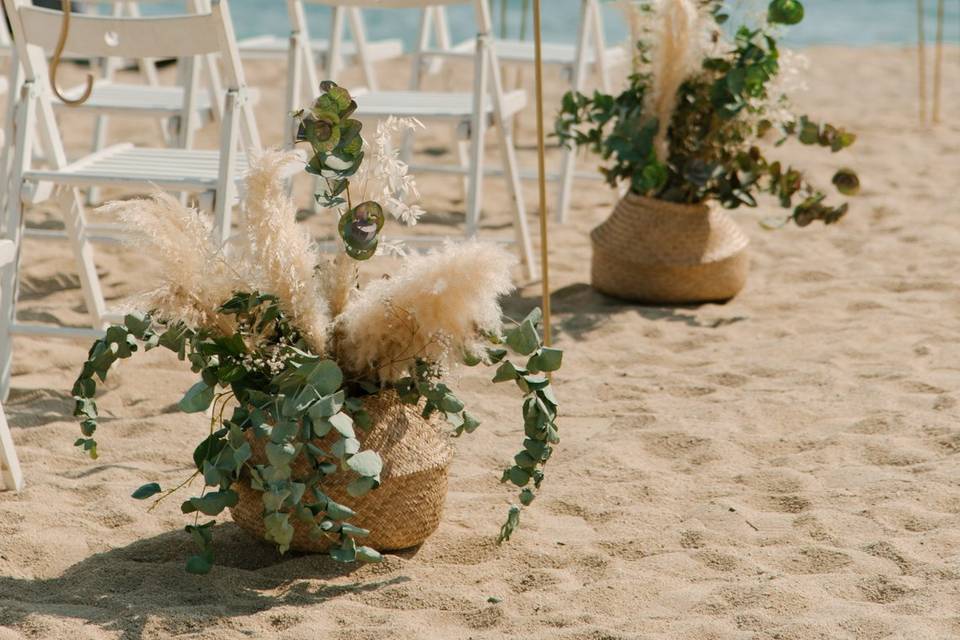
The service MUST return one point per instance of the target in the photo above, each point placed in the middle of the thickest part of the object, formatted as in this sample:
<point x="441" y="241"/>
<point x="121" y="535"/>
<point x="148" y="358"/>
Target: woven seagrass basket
<point x="665" y="253"/>
<point x="407" y="506"/>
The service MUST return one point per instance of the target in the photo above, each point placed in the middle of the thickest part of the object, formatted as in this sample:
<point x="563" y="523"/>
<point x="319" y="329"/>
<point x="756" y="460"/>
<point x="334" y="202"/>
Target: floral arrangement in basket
<point x="686" y="128"/>
<point x="296" y="360"/>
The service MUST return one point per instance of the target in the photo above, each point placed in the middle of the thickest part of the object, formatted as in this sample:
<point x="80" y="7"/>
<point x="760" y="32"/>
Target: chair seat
<point x="141" y="99"/>
<point x="127" y="165"/>
<point x="553" y="53"/>
<point x="432" y="105"/>
<point x="273" y="47"/>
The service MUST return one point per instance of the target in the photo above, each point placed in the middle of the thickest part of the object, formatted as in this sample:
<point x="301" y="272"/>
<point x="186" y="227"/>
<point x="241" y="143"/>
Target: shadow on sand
<point x="127" y="588"/>
<point x="580" y="309"/>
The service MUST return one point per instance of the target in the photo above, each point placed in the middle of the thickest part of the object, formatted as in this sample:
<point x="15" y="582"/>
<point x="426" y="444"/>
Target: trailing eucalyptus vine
<point x="289" y="398"/>
<point x="720" y="114"/>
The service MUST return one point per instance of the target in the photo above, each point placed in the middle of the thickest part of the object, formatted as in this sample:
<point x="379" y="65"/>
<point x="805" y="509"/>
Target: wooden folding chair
<point x="588" y="57"/>
<point x="10" y="475"/>
<point x="472" y="113"/>
<point x="210" y="173"/>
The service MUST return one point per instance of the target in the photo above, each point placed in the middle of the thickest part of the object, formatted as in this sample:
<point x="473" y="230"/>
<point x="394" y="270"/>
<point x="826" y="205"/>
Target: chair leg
<point x="478" y="130"/>
<point x="462" y="145"/>
<point x="8" y="288"/>
<point x="521" y="229"/>
<point x="14" y="80"/>
<point x="568" y="166"/>
<point x="11" y="477"/>
<point x="8" y="300"/>
<point x="588" y="19"/>
<point x="75" y="221"/>
<point x="99" y="142"/>
<point x="226" y="189"/>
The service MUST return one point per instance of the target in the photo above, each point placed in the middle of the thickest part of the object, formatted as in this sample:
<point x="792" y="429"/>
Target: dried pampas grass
<point x="675" y="54"/>
<point x="281" y="251"/>
<point x="196" y="279"/>
<point x="434" y="308"/>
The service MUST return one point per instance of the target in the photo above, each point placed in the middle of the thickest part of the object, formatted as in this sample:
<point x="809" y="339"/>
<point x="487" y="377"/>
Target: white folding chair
<point x="178" y="109"/>
<point x="473" y="112"/>
<point x="589" y="53"/>
<point x="210" y="173"/>
<point x="305" y="54"/>
<point x="10" y="475"/>
<point x="183" y="103"/>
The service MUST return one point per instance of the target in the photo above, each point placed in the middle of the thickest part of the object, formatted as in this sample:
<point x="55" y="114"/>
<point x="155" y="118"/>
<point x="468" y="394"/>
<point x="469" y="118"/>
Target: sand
<point x="784" y="466"/>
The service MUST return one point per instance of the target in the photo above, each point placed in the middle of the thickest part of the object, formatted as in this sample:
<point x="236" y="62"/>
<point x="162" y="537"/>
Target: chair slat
<point x="109" y="37"/>
<point x="425" y="104"/>
<point x="269" y="47"/>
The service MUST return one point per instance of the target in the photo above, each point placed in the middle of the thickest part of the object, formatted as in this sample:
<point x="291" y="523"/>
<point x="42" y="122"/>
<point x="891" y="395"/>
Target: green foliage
<point x="287" y="398"/>
<point x="337" y="146"/>
<point x="146" y="491"/>
<point x="712" y="137"/>
<point x="286" y="408"/>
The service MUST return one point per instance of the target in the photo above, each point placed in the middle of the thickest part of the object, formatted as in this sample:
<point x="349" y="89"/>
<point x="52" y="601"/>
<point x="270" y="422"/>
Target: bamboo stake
<point x="542" y="170"/>
<point x="922" y="62"/>
<point x="938" y="63"/>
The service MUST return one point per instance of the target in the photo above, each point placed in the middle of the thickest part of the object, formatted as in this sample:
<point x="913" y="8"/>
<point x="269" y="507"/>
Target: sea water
<point x="828" y="22"/>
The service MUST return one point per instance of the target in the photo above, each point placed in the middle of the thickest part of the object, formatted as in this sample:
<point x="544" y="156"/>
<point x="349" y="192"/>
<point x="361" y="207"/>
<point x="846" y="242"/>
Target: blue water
<point x="841" y="22"/>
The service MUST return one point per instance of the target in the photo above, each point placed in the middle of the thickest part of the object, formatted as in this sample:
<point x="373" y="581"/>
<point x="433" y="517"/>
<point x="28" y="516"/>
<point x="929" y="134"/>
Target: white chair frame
<point x="183" y="103"/>
<point x="488" y="106"/>
<point x="180" y="170"/>
<point x="589" y="52"/>
<point x="11" y="477"/>
<point x="304" y="54"/>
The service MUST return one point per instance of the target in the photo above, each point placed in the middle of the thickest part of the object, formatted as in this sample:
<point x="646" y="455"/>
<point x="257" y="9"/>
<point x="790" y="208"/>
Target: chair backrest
<point x="484" y="22"/>
<point x="98" y="36"/>
<point x="388" y="4"/>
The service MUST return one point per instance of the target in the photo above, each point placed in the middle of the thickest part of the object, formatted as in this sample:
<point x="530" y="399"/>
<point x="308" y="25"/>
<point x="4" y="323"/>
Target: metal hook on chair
<point x="55" y="62"/>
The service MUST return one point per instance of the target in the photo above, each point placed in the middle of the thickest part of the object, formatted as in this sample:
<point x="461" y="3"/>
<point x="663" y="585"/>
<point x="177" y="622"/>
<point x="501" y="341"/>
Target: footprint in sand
<point x="812" y="560"/>
<point x="883" y="590"/>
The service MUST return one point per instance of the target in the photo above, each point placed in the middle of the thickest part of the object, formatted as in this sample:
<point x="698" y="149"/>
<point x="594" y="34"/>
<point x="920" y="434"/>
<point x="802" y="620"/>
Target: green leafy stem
<point x="289" y="407"/>
<point x="712" y="132"/>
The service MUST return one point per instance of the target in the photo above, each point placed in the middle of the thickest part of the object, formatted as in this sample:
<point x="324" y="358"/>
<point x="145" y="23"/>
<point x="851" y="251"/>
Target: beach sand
<point x="785" y="466"/>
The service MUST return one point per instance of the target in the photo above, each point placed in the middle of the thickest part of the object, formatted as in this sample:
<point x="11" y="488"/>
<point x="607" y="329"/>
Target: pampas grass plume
<point x="434" y="307"/>
<point x="675" y="56"/>
<point x="196" y="279"/>
<point x="281" y="250"/>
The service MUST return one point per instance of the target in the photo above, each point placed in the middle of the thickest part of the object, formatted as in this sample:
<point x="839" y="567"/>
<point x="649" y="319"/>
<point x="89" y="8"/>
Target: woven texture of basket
<point x="661" y="252"/>
<point x="407" y="506"/>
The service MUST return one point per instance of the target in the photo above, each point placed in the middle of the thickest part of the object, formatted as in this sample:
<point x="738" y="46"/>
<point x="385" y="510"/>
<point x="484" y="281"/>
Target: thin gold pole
<point x="938" y="63"/>
<point x="542" y="169"/>
<point x="922" y="61"/>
